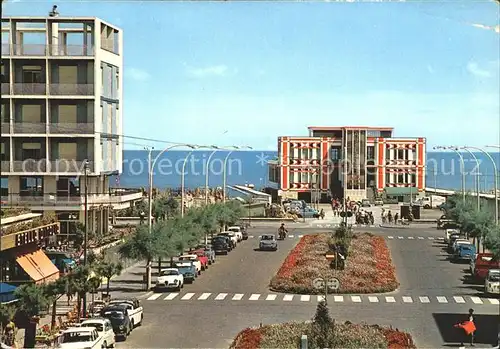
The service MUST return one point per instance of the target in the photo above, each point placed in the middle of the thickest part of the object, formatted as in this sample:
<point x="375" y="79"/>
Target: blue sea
<point x="249" y="167"/>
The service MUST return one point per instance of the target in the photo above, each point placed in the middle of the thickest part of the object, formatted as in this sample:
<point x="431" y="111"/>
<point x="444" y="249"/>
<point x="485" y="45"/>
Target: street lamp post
<point x="224" y="173"/>
<point x="462" y="166"/>
<point x="208" y="172"/>
<point x="495" y="179"/>
<point x="183" y="176"/>
<point x="85" y="236"/>
<point x="478" y="198"/>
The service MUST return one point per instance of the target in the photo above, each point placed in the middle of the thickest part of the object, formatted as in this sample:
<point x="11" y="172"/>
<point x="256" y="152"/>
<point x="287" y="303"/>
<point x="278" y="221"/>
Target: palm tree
<point x="32" y="300"/>
<point x="108" y="269"/>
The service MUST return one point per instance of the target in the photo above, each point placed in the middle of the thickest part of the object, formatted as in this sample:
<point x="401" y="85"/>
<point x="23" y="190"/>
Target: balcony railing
<point x="5" y="88"/>
<point x="5" y="166"/>
<point x="72" y="166"/>
<point x="28" y="128"/>
<point x="71" y="50"/>
<point x="5" y="127"/>
<point x="72" y="89"/>
<point x="58" y="50"/>
<point x="29" y="50"/>
<point x="51" y="199"/>
<point x="5" y="49"/>
<point x="30" y="165"/>
<point x="76" y="128"/>
<point x="30" y="89"/>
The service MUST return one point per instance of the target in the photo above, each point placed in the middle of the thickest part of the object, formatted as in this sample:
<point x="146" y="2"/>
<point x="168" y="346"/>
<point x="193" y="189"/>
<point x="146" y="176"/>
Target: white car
<point x="81" y="338"/>
<point x="459" y="242"/>
<point x="447" y="234"/>
<point x="104" y="329"/>
<point x="193" y="258"/>
<point x="170" y="278"/>
<point x="134" y="310"/>
<point x="492" y="282"/>
<point x="231" y="235"/>
<point x="237" y="231"/>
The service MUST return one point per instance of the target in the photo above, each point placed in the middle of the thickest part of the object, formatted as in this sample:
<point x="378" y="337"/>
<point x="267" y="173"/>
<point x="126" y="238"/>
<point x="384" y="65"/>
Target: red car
<point x="202" y="258"/>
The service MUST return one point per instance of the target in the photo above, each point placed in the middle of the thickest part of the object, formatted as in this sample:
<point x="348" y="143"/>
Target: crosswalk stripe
<point x="391" y="237"/>
<point x="301" y="236"/>
<point x="221" y="296"/>
<point x="305" y="298"/>
<point x="476" y="300"/>
<point x="187" y="296"/>
<point x="171" y="296"/>
<point x="373" y="299"/>
<point x="254" y="297"/>
<point x="411" y="237"/>
<point x="338" y="298"/>
<point x="270" y="297"/>
<point x="430" y="238"/>
<point x="290" y="236"/>
<point x="459" y="299"/>
<point x="356" y="299"/>
<point x="238" y="297"/>
<point x="494" y="301"/>
<point x="407" y="299"/>
<point x="420" y="237"/>
<point x="250" y="236"/>
<point x="441" y="299"/>
<point x="154" y="296"/>
<point x="390" y="299"/>
<point x="204" y="296"/>
<point x="288" y="298"/>
<point x="424" y="299"/>
<point x="400" y="237"/>
<point x="321" y="298"/>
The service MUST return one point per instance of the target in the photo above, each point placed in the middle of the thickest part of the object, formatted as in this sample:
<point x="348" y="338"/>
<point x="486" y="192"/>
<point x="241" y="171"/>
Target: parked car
<point x="170" y="278"/>
<point x="451" y="242"/>
<point x="104" y="329"/>
<point x="237" y="231"/>
<point x="444" y="223"/>
<point x="118" y="315"/>
<point x="366" y="203"/>
<point x="482" y="264"/>
<point x="457" y="243"/>
<point x="187" y="269"/>
<point x="492" y="282"/>
<point x="231" y="235"/>
<point x="202" y="257"/>
<point x="268" y="242"/>
<point x="207" y="252"/>
<point x="379" y="202"/>
<point x="308" y="212"/>
<point x="134" y="310"/>
<point x="221" y="245"/>
<point x="464" y="252"/>
<point x="81" y="338"/>
<point x="448" y="233"/>
<point x="193" y="258"/>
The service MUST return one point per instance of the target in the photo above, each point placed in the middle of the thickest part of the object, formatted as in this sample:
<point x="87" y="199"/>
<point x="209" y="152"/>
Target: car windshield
<point x="98" y="326"/>
<point x="113" y="313"/>
<point x="168" y="272"/>
<point x="75" y="337"/>
<point x="494" y="277"/>
<point x="267" y="237"/>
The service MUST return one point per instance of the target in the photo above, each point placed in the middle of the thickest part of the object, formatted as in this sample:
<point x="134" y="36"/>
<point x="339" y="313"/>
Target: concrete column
<point x="54" y="39"/>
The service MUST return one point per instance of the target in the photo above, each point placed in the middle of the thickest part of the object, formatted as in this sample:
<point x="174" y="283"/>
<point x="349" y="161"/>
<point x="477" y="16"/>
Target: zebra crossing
<point x="290" y="236"/>
<point x="336" y="225"/>
<point x="390" y="237"/>
<point x="288" y="298"/>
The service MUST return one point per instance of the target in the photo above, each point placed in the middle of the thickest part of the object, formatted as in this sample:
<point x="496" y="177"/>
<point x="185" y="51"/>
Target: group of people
<point x="388" y="217"/>
<point x="364" y="218"/>
<point x="338" y="205"/>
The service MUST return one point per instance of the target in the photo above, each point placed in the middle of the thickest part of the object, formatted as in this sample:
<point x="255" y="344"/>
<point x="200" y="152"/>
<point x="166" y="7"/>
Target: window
<point x="334" y="154"/>
<point x="400" y="178"/>
<point x="401" y="154"/>
<point x="370" y="153"/>
<point x="413" y="179"/>
<point x="373" y="133"/>
<point x="32" y="74"/>
<point x="31" y="151"/>
<point x="31" y="186"/>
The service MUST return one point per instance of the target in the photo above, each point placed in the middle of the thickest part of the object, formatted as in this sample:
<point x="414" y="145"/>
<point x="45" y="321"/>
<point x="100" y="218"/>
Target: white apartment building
<point x="61" y="117"/>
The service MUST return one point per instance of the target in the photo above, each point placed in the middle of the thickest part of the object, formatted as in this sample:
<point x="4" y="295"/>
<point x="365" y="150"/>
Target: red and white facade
<point x="350" y="159"/>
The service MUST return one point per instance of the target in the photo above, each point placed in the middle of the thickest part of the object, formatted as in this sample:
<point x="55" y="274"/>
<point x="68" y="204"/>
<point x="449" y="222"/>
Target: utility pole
<point x="85" y="236"/>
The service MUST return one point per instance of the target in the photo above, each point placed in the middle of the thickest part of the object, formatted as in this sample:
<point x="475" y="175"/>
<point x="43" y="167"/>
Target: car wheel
<point x="182" y="285"/>
<point x="132" y="325"/>
<point x="199" y="272"/>
<point x="104" y="345"/>
<point x="427" y="206"/>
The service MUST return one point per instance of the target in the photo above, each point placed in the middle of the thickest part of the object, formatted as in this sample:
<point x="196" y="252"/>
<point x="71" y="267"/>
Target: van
<point x="432" y="201"/>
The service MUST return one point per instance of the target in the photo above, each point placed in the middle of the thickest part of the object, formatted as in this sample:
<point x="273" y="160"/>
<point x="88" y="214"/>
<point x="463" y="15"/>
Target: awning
<point x="38" y="266"/>
<point x="6" y="292"/>
<point x="401" y="191"/>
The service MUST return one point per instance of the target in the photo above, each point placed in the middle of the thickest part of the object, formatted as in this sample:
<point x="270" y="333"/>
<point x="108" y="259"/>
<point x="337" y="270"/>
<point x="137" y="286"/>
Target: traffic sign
<point x="318" y="283"/>
<point x="333" y="284"/>
<point x="330" y="256"/>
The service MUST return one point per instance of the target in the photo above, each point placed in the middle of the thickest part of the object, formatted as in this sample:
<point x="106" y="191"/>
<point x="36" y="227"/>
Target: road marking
<point x="155" y="296"/>
<point x="238" y="296"/>
<point x="494" y="301"/>
<point x="459" y="299"/>
<point x="420" y="238"/>
<point x="187" y="296"/>
<point x="356" y="299"/>
<point x="270" y="297"/>
<point x="373" y="299"/>
<point x="288" y="298"/>
<point x="411" y="237"/>
<point x="321" y="298"/>
<point x="407" y="299"/>
<point x="145" y="295"/>
<point x="290" y="236"/>
<point x="204" y="296"/>
<point x="441" y="299"/>
<point x="300" y="236"/>
<point x="476" y="300"/>
<point x="338" y="298"/>
<point x="424" y="299"/>
<point x="254" y="297"/>
<point x="391" y="237"/>
<point x="171" y="296"/>
<point x="251" y="237"/>
<point x="390" y="299"/>
<point x="221" y="296"/>
<point x="400" y="237"/>
<point x="430" y="238"/>
<point x="305" y="298"/>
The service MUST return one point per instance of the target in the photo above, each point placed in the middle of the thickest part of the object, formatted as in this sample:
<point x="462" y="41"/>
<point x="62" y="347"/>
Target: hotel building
<point x="61" y="116"/>
<point x="354" y="162"/>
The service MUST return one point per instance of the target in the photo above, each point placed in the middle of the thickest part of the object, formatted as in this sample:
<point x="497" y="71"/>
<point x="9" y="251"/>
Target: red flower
<point x="249" y="338"/>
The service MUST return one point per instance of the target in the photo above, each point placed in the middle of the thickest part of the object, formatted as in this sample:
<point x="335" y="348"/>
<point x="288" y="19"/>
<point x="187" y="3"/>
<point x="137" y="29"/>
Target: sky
<point x="244" y="73"/>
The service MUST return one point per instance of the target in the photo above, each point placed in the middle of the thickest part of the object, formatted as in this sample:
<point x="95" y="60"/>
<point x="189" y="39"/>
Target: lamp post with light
<point x="224" y="173"/>
<point x="462" y="165"/>
<point x="208" y="172"/>
<point x="478" y="196"/>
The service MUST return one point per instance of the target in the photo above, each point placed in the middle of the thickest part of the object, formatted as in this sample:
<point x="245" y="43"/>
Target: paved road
<point x="233" y="294"/>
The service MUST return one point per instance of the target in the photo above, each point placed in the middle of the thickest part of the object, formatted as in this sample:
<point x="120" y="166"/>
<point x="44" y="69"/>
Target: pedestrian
<point x="322" y="214"/>
<point x="467" y="329"/>
<point x="396" y="217"/>
<point x="389" y="217"/>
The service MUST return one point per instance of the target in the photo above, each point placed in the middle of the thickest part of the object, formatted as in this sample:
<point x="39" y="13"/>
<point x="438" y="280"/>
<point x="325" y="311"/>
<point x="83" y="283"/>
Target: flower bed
<point x="347" y="335"/>
<point x="368" y="269"/>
